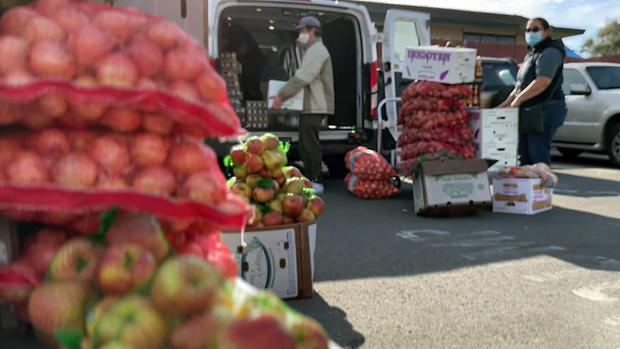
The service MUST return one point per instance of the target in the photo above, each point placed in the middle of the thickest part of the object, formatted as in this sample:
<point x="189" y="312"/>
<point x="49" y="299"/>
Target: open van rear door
<point x="401" y="29"/>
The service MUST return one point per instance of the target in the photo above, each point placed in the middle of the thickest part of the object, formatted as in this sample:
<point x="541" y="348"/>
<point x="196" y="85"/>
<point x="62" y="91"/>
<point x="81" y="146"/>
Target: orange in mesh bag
<point x="82" y="64"/>
<point x="65" y="177"/>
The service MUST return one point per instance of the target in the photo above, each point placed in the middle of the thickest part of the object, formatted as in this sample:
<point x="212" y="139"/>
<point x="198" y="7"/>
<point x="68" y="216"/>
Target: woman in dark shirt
<point x="540" y="79"/>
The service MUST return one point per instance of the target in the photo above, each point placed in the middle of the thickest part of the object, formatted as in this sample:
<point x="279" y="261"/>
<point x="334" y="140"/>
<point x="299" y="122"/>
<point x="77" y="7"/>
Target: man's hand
<point x="277" y="102"/>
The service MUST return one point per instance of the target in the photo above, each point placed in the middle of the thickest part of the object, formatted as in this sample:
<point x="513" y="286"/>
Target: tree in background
<point x="607" y="42"/>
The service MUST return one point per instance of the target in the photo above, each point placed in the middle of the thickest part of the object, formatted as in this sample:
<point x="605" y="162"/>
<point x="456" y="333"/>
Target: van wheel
<point x="613" y="144"/>
<point x="570" y="153"/>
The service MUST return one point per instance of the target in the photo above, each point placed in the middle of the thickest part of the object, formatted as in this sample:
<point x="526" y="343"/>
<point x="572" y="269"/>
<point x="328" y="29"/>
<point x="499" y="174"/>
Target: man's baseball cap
<point x="308" y="21"/>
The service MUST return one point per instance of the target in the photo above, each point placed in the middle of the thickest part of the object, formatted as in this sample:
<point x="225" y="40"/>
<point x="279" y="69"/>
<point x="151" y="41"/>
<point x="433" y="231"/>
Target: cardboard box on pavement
<point x="496" y="135"/>
<point x="521" y="196"/>
<point x="280" y="259"/>
<point x="451" y="184"/>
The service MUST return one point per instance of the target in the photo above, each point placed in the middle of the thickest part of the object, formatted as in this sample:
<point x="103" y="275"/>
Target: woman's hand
<point x="516" y="103"/>
<point x="509" y="99"/>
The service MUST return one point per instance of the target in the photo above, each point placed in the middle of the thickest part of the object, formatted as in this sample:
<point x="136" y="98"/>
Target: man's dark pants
<point x="310" y="146"/>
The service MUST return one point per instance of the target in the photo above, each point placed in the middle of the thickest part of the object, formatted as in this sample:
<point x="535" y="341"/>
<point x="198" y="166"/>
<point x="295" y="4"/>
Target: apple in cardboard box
<point x="255" y="146"/>
<point x="293" y="205"/>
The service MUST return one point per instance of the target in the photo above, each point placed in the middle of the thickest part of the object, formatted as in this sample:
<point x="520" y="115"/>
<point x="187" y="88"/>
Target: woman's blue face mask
<point x="532" y="38"/>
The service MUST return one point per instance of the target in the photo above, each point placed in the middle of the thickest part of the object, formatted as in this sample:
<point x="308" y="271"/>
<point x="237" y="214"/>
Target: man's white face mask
<point x="303" y="38"/>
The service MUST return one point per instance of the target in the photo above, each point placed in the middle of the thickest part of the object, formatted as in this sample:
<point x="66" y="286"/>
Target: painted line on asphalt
<point x="414" y="235"/>
<point x="494" y="241"/>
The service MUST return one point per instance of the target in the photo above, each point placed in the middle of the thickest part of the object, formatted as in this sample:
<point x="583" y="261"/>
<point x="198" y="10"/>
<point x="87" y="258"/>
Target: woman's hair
<point x="542" y="21"/>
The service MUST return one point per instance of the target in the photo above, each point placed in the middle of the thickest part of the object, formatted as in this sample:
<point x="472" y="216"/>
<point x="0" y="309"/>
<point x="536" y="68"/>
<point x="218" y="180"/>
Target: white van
<point x="348" y="33"/>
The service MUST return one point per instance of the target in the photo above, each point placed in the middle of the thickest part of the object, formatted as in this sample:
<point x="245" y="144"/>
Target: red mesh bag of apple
<point x="75" y="63"/>
<point x="65" y="177"/>
<point x="369" y="188"/>
<point x="367" y="164"/>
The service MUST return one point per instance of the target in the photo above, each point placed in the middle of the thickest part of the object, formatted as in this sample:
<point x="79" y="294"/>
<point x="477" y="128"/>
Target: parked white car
<point x="593" y="101"/>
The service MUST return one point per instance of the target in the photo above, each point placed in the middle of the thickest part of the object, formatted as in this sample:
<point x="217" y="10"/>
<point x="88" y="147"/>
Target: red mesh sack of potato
<point x="432" y="119"/>
<point x="82" y="64"/>
<point x="66" y="177"/>
<point x="434" y="104"/>
<point x="435" y="89"/>
<point x="367" y="164"/>
<point x="451" y="135"/>
<point x="370" y="189"/>
<point x="416" y="149"/>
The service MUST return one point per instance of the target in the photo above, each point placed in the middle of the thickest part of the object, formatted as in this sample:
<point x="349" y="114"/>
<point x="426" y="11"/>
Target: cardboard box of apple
<point x="281" y="194"/>
<point x="127" y="288"/>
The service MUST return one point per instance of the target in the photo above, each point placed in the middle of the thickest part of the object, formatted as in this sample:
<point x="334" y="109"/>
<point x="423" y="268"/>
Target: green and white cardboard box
<point x="496" y="135"/>
<point x="451" y="183"/>
<point x="279" y="259"/>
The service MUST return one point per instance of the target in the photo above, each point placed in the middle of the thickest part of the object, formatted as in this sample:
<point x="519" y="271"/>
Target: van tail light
<point x="212" y="62"/>
<point x="373" y="89"/>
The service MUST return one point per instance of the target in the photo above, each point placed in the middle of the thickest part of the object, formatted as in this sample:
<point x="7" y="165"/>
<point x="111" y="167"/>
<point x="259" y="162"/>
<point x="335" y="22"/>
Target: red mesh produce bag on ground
<point x="367" y="164"/>
<point x="79" y="64"/>
<point x="370" y="189"/>
<point x="59" y="176"/>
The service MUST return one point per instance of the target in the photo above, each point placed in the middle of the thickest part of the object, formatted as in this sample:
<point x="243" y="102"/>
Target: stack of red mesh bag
<point x="371" y="177"/>
<point x="104" y="108"/>
<point x="434" y="118"/>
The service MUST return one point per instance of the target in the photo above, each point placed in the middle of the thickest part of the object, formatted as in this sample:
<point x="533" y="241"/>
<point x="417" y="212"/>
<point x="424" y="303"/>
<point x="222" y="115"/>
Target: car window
<point x="605" y="77"/>
<point x="572" y="77"/>
<point x="498" y="75"/>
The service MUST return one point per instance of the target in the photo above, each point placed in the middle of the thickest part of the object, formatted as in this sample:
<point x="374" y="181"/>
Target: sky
<point x="590" y="15"/>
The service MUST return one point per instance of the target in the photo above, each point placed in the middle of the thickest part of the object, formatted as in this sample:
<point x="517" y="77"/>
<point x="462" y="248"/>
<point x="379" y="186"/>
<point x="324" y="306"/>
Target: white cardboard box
<point x="294" y="103"/>
<point x="279" y="259"/>
<point x="447" y="183"/>
<point x="496" y="135"/>
<point x="446" y="65"/>
<point x="521" y="196"/>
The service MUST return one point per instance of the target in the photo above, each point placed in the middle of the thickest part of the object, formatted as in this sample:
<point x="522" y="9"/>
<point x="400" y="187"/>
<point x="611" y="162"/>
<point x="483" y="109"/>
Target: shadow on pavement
<point x="333" y="319"/>
<point x="363" y="239"/>
<point x="586" y="187"/>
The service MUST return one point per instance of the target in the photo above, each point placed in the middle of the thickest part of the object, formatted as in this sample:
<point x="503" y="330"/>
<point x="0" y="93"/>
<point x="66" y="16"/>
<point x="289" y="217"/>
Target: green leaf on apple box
<point x="265" y="183"/>
<point x="69" y="339"/>
<point x="308" y="191"/>
<point x="285" y="146"/>
<point x="228" y="161"/>
<point x="107" y="219"/>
